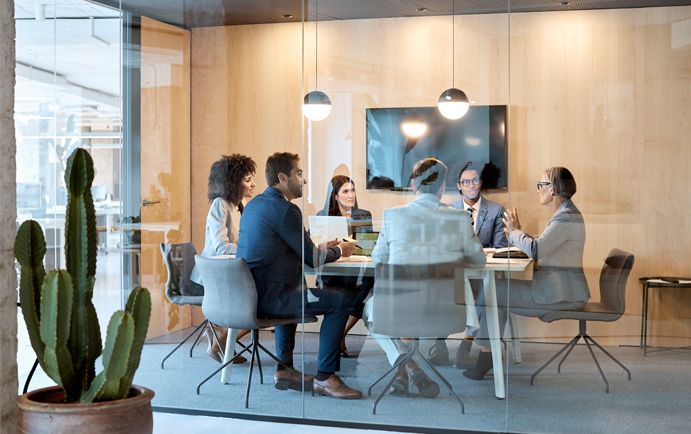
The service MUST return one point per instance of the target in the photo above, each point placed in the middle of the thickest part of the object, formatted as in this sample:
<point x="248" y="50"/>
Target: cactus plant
<point x="58" y="309"/>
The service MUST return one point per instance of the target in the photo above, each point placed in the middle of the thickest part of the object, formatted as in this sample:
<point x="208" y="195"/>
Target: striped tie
<point x="471" y="210"/>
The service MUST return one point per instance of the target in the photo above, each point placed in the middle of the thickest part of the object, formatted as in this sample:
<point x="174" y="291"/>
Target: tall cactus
<point x="81" y="241"/>
<point x="58" y="308"/>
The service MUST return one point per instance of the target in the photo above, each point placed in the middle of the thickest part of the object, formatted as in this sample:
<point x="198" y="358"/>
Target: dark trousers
<point x="335" y="305"/>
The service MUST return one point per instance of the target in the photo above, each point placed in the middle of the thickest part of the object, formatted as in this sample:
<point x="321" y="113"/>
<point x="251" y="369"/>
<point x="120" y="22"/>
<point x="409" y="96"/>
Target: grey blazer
<point x="489" y="226"/>
<point x="559" y="251"/>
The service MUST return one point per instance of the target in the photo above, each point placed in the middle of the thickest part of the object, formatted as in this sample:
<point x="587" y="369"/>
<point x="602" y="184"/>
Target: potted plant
<point x="64" y="332"/>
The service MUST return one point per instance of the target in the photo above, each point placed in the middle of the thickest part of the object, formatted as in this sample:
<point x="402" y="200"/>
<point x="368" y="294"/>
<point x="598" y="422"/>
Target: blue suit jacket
<point x="489" y="226"/>
<point x="270" y="241"/>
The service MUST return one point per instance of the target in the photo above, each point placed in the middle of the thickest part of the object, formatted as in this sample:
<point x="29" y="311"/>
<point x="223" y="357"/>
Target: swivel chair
<point x="613" y="279"/>
<point x="230" y="300"/>
<point x="180" y="290"/>
<point x="417" y="301"/>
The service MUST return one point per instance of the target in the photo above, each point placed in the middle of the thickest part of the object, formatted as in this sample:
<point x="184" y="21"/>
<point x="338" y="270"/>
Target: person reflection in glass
<point x="486" y="218"/>
<point x="425" y="231"/>
<point x="559" y="282"/>
<point x="343" y="202"/>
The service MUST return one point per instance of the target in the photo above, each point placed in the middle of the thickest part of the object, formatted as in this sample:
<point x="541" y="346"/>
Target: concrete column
<point x="8" y="277"/>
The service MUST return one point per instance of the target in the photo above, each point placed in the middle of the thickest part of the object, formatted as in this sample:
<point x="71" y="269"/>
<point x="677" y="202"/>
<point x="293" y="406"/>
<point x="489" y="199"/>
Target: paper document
<point x="327" y="228"/>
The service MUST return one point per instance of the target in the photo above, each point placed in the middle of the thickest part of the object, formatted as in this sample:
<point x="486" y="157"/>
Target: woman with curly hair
<point x="231" y="180"/>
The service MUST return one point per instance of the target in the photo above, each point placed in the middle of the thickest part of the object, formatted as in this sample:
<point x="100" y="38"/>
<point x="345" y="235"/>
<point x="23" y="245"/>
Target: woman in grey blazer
<point x="558" y="281"/>
<point x="231" y="179"/>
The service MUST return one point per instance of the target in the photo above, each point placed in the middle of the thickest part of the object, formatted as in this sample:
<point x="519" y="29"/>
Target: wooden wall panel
<point x="165" y="161"/>
<point x="605" y="93"/>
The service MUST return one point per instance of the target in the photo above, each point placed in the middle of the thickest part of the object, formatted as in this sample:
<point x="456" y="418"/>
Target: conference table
<point x="363" y="266"/>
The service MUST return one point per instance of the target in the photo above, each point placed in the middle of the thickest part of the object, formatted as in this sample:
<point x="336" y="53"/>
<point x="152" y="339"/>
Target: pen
<point x="350" y="241"/>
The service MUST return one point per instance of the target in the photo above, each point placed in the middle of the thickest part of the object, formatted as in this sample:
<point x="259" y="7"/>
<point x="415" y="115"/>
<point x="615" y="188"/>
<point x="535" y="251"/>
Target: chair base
<point x="199" y="331"/>
<point x="254" y="347"/>
<point x="422" y="361"/>
<point x="582" y="334"/>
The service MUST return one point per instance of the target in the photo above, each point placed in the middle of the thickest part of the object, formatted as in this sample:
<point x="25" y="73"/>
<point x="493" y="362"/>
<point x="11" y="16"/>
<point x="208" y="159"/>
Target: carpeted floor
<point x="658" y="399"/>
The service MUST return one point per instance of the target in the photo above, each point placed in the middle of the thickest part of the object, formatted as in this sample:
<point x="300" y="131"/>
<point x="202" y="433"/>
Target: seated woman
<point x="231" y="179"/>
<point x="558" y="282"/>
<point x="343" y="202"/>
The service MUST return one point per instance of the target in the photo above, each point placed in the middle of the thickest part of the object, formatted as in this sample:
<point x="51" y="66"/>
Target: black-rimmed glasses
<point x="469" y="182"/>
<point x="543" y="184"/>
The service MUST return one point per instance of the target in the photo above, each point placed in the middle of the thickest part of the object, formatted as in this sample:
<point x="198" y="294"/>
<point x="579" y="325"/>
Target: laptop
<point x="366" y="242"/>
<point x="327" y="228"/>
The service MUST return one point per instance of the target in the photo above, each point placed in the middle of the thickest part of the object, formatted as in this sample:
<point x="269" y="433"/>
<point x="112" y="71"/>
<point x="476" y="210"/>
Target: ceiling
<point x="201" y="13"/>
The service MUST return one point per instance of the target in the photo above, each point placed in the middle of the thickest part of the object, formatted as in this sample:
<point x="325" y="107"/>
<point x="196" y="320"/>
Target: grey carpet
<point x="658" y="399"/>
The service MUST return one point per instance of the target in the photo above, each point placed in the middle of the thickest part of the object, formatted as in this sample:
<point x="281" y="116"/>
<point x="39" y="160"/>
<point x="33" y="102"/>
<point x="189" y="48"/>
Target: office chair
<point x="180" y="290"/>
<point x="230" y="300"/>
<point x="403" y="293"/>
<point x="613" y="279"/>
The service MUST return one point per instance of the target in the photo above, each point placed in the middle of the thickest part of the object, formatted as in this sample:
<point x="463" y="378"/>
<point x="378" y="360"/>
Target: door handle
<point x="147" y="202"/>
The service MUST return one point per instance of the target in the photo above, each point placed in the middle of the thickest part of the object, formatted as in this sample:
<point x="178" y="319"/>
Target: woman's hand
<point x="511" y="221"/>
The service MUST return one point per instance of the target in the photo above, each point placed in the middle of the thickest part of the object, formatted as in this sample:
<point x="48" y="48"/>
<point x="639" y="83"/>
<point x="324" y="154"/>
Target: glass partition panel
<point x="603" y="93"/>
<point x="68" y="96"/>
<point x="387" y="162"/>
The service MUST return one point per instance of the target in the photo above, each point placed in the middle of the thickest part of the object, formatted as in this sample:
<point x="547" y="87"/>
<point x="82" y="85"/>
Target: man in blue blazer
<point x="271" y="241"/>
<point x="486" y="218"/>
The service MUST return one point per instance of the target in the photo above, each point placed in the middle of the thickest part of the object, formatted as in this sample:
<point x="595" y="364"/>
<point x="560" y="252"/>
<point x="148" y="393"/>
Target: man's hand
<point x="347" y="248"/>
<point x="326" y="245"/>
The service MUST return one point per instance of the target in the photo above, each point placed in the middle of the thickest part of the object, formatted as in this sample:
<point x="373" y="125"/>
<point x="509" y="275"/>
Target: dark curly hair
<point x="226" y="175"/>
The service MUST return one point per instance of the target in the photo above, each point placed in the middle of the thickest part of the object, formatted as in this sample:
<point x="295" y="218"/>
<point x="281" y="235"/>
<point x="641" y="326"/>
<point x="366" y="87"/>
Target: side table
<point x="656" y="282"/>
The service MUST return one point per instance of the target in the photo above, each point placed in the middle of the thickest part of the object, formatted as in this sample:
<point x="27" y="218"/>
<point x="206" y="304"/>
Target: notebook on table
<point x="366" y="242"/>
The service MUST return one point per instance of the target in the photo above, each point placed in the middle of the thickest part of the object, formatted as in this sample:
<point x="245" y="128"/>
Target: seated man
<point x="424" y="231"/>
<point x="486" y="218"/>
<point x="271" y="242"/>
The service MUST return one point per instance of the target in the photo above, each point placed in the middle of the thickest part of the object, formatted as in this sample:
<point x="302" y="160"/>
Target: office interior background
<point x="157" y="91"/>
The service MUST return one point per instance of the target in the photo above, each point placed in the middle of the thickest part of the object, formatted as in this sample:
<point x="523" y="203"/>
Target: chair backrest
<point x="230" y="297"/>
<point x="418" y="300"/>
<point x="179" y="260"/>
<point x="613" y="279"/>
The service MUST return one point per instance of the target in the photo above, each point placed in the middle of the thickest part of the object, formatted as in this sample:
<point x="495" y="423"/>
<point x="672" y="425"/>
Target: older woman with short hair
<point x="559" y="282"/>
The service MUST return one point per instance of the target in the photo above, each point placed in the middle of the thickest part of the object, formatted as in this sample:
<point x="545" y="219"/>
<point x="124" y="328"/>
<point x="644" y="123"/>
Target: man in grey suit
<point x="486" y="218"/>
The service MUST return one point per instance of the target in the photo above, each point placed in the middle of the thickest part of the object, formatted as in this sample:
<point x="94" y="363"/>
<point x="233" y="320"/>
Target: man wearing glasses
<point x="486" y="218"/>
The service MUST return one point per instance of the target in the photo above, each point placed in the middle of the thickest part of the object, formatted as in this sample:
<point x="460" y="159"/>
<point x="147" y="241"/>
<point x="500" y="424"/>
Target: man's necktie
<point x="471" y="210"/>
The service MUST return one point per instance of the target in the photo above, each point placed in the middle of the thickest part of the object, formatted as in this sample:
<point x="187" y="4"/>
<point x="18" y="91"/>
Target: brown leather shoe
<point x="336" y="388"/>
<point x="291" y="378"/>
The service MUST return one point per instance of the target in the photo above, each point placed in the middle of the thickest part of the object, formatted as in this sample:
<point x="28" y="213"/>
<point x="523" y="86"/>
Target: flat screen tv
<point x="398" y="137"/>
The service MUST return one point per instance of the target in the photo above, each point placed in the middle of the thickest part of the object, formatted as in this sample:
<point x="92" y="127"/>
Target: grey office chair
<point x="613" y="279"/>
<point x="230" y="300"/>
<point x="417" y="301"/>
<point x="180" y="290"/>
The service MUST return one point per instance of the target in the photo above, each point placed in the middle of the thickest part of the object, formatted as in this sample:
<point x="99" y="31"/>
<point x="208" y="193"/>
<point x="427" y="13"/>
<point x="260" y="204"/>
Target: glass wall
<point x="65" y="99"/>
<point x="600" y="92"/>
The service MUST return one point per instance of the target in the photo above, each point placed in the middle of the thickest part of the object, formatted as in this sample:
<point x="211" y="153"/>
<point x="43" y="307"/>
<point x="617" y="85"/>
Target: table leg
<point x="494" y="333"/>
<point x="645" y="319"/>
<point x="642" y="313"/>
<point x="230" y="350"/>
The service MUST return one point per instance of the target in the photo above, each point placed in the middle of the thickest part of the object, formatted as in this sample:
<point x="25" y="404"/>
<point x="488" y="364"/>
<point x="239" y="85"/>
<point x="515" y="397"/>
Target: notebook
<point x="366" y="242"/>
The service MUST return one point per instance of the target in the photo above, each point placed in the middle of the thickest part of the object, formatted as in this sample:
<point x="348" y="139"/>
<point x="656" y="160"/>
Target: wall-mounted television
<point x="398" y="137"/>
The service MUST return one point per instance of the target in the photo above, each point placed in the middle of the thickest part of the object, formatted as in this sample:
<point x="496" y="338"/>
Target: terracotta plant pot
<point x="43" y="412"/>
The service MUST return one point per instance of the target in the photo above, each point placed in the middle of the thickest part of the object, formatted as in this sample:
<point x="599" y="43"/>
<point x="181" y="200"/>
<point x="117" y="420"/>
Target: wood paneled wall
<point x="165" y="162"/>
<point x="605" y="93"/>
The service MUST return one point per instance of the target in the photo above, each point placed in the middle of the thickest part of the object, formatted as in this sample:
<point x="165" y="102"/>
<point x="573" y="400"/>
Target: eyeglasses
<point x="543" y="184"/>
<point x="468" y="182"/>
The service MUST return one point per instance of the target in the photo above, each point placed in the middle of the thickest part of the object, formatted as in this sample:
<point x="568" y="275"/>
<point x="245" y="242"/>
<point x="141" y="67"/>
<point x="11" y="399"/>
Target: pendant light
<point x="316" y="105"/>
<point x="453" y="103"/>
